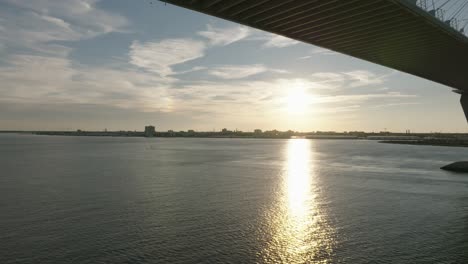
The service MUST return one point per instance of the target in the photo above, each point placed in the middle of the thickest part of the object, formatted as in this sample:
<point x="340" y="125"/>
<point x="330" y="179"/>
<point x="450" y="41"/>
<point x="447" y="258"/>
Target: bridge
<point x="399" y="34"/>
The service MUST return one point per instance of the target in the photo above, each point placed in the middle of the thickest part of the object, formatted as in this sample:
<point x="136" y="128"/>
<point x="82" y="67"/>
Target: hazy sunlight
<point x="298" y="100"/>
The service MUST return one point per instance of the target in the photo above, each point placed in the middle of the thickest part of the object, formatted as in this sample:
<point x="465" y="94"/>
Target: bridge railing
<point x="451" y="12"/>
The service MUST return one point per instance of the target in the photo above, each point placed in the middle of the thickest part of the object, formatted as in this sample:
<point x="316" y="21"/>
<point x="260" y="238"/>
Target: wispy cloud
<point x="276" y="41"/>
<point x="194" y="69"/>
<point x="158" y="57"/>
<point x="328" y="80"/>
<point x="241" y="71"/>
<point x="29" y="80"/>
<point x="355" y="98"/>
<point x="37" y="23"/>
<point x="52" y="80"/>
<point x="83" y="14"/>
<point x="224" y="36"/>
<point x="364" y="78"/>
<point x="323" y="51"/>
<point x="268" y="95"/>
<point x="351" y="79"/>
<point x="318" y="51"/>
<point x="395" y="104"/>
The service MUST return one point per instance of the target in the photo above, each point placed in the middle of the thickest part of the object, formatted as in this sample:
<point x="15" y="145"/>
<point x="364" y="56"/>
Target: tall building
<point x="150" y="131"/>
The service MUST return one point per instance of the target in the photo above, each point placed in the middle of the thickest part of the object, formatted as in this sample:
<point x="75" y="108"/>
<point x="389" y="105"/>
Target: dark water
<point x="136" y="200"/>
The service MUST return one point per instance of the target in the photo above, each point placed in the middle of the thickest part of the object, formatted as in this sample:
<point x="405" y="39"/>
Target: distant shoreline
<point x="429" y="142"/>
<point x="421" y="139"/>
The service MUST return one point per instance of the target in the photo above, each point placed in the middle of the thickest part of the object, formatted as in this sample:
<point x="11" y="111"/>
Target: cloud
<point x="194" y="69"/>
<point x="267" y="96"/>
<point x="352" y="79"/>
<point x="57" y="80"/>
<point x="310" y="85"/>
<point x="240" y="71"/>
<point x="363" y="78"/>
<point x="338" y="109"/>
<point x="158" y="57"/>
<point x="355" y="98"/>
<point x="32" y="80"/>
<point x="318" y="51"/>
<point x="323" y="51"/>
<point x="395" y="104"/>
<point x="37" y="72"/>
<point x="35" y="24"/>
<point x="30" y="76"/>
<point x="328" y="80"/>
<point x="51" y="80"/>
<point x="277" y="41"/>
<point x="224" y="36"/>
<point x="84" y="15"/>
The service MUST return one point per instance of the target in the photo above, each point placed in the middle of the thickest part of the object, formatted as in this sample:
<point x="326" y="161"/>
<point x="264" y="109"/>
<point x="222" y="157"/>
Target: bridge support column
<point x="460" y="166"/>
<point x="464" y="104"/>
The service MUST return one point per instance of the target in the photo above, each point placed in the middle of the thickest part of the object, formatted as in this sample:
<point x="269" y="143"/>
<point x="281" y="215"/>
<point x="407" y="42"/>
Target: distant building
<point x="393" y="137"/>
<point x="150" y="131"/>
<point x="257" y="131"/>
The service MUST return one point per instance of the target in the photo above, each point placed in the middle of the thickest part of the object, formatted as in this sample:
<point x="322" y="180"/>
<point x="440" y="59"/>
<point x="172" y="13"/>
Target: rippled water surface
<point x="137" y="200"/>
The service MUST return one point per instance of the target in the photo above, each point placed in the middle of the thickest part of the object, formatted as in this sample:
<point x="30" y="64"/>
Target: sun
<point x="297" y="99"/>
<point x="296" y="102"/>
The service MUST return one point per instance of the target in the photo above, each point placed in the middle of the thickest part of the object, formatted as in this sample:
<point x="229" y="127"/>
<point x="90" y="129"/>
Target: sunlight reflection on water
<point x="299" y="229"/>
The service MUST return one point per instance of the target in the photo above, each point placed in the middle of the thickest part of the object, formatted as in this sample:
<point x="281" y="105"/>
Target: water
<point x="137" y="200"/>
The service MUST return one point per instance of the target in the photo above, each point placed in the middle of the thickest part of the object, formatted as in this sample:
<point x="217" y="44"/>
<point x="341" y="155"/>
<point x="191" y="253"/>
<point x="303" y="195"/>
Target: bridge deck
<point x="391" y="33"/>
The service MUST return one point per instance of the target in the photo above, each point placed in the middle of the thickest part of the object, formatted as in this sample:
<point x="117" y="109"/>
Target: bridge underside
<point x="392" y="33"/>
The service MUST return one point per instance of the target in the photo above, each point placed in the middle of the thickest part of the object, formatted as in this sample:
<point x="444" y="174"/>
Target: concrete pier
<point x="459" y="166"/>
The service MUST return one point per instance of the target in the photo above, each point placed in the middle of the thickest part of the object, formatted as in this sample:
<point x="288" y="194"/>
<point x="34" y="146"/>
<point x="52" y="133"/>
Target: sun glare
<point x="298" y="100"/>
<point x="301" y="233"/>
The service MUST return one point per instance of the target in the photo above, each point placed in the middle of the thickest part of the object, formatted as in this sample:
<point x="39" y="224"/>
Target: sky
<point x="121" y="65"/>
